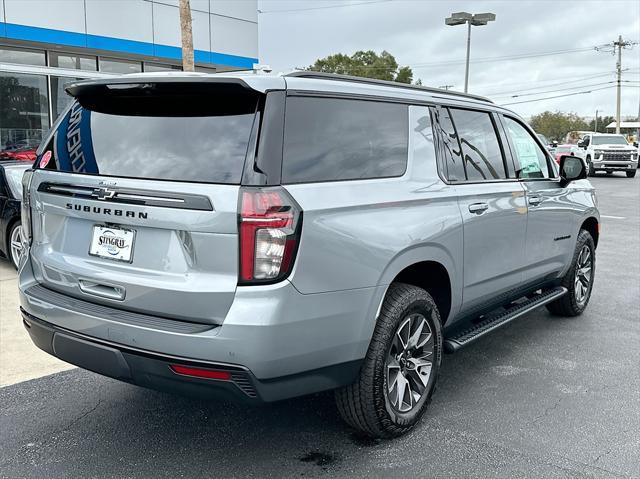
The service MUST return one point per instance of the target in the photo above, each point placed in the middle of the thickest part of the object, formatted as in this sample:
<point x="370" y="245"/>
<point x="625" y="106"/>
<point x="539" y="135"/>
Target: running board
<point x="495" y="320"/>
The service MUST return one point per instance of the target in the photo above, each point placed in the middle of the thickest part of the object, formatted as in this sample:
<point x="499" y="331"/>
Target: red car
<point x="23" y="150"/>
<point x="562" y="150"/>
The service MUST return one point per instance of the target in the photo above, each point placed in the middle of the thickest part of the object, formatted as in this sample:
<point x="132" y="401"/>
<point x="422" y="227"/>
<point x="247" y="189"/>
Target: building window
<point x="22" y="56"/>
<point x="24" y="111"/>
<point x="59" y="98"/>
<point x="73" y="61"/>
<point x="111" y="65"/>
<point x="157" y="67"/>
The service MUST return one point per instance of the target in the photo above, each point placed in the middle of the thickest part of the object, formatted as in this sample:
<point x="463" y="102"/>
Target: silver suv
<point x="265" y="237"/>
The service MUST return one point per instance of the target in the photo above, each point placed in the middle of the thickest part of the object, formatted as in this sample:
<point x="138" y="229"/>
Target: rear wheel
<point x="400" y="369"/>
<point x="578" y="280"/>
<point x="631" y="174"/>
<point x="15" y="244"/>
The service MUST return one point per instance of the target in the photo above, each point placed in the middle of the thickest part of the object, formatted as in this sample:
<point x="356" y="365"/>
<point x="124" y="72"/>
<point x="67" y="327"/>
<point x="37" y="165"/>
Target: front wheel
<point x="591" y="171"/>
<point x="578" y="280"/>
<point x="399" y="372"/>
<point x="631" y="174"/>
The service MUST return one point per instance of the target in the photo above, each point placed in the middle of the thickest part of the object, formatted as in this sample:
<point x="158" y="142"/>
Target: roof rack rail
<point x="373" y="81"/>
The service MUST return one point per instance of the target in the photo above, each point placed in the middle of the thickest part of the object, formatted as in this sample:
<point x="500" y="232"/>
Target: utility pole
<point x="187" y="36"/>
<point x="595" y="128"/>
<point x="445" y="87"/>
<point x="619" y="45"/>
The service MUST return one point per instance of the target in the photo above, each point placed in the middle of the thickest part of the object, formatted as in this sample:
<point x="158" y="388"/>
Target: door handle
<point x="478" y="208"/>
<point x="103" y="290"/>
<point x="535" y="200"/>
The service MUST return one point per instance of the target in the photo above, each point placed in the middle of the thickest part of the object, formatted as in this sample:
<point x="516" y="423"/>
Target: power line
<point x="323" y="7"/>
<point x="548" y="85"/>
<point x="554" y="91"/>
<point x="518" y="56"/>
<point x="505" y="57"/>
<point x="560" y="96"/>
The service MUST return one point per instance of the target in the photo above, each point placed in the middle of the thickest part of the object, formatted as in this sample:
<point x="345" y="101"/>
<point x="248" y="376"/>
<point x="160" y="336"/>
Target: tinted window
<point x="447" y="145"/>
<point x="532" y="162"/>
<point x="331" y="139"/>
<point x="208" y="148"/>
<point x="480" y="147"/>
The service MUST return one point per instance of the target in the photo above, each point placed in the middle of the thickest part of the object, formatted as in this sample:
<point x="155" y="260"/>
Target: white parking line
<point x="613" y="217"/>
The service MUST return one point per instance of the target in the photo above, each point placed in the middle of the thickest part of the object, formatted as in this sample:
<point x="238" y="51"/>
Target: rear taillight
<point x="270" y="225"/>
<point x="25" y="208"/>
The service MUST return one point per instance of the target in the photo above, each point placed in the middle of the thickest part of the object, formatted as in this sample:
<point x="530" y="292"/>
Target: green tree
<point x="556" y="125"/>
<point x="366" y="64"/>
<point x="603" y="121"/>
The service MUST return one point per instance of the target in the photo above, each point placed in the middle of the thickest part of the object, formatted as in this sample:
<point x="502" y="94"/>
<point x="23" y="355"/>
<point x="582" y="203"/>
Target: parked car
<point x="10" y="196"/>
<point x="23" y="150"/>
<point x="609" y="153"/>
<point x="266" y="237"/>
<point x="567" y="149"/>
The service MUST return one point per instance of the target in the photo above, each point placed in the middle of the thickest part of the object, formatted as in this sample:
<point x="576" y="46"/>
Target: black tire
<point x="631" y="174"/>
<point x="590" y="169"/>
<point x="13" y="230"/>
<point x="568" y="305"/>
<point x="365" y="405"/>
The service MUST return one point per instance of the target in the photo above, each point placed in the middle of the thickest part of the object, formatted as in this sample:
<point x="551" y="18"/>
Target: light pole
<point x="460" y="18"/>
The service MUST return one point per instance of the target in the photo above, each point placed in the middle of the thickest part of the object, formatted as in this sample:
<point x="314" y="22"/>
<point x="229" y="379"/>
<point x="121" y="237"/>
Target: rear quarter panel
<point x="361" y="234"/>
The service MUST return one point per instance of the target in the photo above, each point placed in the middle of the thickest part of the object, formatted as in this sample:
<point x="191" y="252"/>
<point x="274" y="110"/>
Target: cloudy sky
<point x="534" y="49"/>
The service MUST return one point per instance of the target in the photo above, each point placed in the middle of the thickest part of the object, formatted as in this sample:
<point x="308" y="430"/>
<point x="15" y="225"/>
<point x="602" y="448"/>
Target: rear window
<point x="162" y="139"/>
<point x="337" y="139"/>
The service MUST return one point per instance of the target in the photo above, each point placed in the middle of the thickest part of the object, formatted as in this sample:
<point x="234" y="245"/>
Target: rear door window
<point x="329" y="139"/>
<point x="481" y="150"/>
<point x="154" y="143"/>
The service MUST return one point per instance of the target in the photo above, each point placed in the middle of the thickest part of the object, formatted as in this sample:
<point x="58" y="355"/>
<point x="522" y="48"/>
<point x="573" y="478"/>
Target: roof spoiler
<point x="139" y="84"/>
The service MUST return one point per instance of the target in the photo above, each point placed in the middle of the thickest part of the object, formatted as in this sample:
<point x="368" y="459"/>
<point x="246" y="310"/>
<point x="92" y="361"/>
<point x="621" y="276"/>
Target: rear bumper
<point x="151" y="370"/>
<point x="273" y="333"/>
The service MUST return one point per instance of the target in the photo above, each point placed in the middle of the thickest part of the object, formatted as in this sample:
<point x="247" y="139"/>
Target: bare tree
<point x="187" y="36"/>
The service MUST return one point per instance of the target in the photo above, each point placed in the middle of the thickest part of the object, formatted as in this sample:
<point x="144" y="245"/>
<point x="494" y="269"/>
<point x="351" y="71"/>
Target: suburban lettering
<point x="107" y="211"/>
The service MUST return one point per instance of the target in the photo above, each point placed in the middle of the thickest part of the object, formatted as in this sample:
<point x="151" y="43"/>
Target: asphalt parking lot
<point x="543" y="397"/>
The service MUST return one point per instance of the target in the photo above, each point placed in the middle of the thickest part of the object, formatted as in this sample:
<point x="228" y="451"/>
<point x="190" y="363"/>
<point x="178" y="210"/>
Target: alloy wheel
<point x="409" y="363"/>
<point x="16" y="245"/>
<point x="583" y="276"/>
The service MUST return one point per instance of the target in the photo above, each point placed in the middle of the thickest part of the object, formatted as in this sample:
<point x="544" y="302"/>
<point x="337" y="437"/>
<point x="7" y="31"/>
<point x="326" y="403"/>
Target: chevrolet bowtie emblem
<point x="103" y="193"/>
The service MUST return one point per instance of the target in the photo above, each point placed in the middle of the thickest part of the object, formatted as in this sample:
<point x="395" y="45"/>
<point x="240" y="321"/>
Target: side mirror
<point x="554" y="143"/>
<point x="635" y="143"/>
<point x="571" y="169"/>
<point x="581" y="144"/>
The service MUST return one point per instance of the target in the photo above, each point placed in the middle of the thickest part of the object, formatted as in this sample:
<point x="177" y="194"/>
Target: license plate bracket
<point x="112" y="242"/>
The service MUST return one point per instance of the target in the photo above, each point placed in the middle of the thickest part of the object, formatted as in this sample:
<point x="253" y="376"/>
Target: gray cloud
<point x="414" y="31"/>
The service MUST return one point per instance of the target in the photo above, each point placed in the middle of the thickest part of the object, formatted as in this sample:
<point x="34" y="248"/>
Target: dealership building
<point x="45" y="44"/>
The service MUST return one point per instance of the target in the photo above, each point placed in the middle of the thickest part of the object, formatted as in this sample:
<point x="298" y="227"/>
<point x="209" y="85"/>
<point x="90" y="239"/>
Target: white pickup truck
<point x="608" y="152"/>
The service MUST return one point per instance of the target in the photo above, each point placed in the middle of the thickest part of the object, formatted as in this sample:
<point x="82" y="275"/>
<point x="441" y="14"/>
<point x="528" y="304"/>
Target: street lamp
<point x="477" y="19"/>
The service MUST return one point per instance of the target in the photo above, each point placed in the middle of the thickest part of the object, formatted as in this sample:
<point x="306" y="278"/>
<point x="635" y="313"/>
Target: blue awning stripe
<point x="98" y="42"/>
